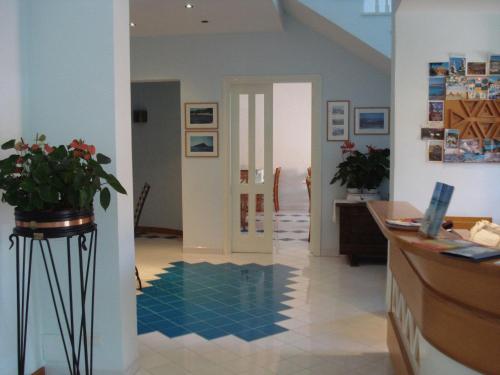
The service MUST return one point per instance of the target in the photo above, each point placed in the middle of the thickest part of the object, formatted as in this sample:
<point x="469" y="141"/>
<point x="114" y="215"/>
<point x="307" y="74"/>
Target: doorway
<point x="258" y="110"/>
<point x="292" y="166"/>
<point x="156" y="155"/>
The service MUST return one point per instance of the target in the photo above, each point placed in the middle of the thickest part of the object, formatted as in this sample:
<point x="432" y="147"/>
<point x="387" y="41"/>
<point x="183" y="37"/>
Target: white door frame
<point x="316" y="151"/>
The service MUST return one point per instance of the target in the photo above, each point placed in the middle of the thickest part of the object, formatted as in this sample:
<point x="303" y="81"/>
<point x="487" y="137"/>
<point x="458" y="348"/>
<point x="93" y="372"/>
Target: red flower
<point x="20" y="160"/>
<point x="347" y="146"/>
<point x="92" y="149"/>
<point x="35" y="147"/>
<point x="74" y="144"/>
<point x="48" y="149"/>
<point x="84" y="147"/>
<point x="87" y="156"/>
<point x="77" y="154"/>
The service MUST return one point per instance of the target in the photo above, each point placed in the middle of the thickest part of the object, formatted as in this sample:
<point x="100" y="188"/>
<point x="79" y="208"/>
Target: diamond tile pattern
<point x="216" y="300"/>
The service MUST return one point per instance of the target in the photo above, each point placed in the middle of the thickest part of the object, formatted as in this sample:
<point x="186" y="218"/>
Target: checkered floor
<point x="291" y="227"/>
<point x="216" y="300"/>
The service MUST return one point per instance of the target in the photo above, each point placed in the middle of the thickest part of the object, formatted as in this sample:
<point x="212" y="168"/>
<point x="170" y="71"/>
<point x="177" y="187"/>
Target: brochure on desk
<point x="474" y="253"/>
<point x="434" y="215"/>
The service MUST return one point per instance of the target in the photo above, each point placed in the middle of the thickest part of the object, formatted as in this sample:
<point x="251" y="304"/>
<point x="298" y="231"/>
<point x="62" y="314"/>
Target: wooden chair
<point x="137" y="216"/>
<point x="276" y="189"/>
<point x="308" y="184"/>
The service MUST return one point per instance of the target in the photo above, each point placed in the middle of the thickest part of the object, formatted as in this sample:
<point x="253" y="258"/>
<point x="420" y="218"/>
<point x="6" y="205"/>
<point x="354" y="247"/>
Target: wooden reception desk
<point x="443" y="312"/>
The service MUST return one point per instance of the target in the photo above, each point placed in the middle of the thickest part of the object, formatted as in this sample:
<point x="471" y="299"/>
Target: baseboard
<point x="146" y="230"/>
<point x="62" y="369"/>
<point x="202" y="250"/>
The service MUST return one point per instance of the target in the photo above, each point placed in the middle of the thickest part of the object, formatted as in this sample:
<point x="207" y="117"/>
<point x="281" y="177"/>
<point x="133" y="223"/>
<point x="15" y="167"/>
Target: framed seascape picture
<point x="371" y="121"/>
<point x="201" y="144"/>
<point x="337" y="118"/>
<point x="201" y="116"/>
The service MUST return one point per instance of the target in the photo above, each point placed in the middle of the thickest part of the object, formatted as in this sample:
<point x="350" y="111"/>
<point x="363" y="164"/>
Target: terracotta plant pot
<point x="53" y="224"/>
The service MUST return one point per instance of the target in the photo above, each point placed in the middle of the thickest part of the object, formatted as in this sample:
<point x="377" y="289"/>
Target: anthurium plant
<point x="43" y="177"/>
<point x="362" y="170"/>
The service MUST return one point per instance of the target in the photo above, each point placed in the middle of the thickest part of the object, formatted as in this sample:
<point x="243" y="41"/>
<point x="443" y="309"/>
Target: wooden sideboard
<point x="443" y="312"/>
<point x="359" y="235"/>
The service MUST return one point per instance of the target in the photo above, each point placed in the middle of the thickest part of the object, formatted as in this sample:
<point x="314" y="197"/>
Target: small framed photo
<point x="435" y="151"/>
<point x="202" y="144"/>
<point x="457" y="65"/>
<point x="371" y="121"/>
<point x="451" y="138"/>
<point x="436" y="110"/>
<point x="437" y="88"/>
<point x="495" y="64"/>
<point x="439" y="69"/>
<point x="494" y="89"/>
<point x="456" y="87"/>
<point x="428" y="134"/>
<point x="337" y="117"/>
<point x="201" y="116"/>
<point x="476" y="68"/>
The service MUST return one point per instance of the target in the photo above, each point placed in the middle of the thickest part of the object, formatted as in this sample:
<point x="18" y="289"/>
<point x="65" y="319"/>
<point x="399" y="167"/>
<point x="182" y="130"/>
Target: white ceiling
<point x="170" y="17"/>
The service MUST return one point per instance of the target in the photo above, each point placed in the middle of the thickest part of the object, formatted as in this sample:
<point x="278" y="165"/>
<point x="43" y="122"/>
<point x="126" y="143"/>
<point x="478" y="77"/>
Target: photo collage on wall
<point x="463" y="111"/>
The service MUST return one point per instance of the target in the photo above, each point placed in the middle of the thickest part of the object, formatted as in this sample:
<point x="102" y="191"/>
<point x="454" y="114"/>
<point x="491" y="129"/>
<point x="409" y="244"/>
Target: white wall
<point x="201" y="63"/>
<point x="156" y="147"/>
<point x="427" y="31"/>
<point x="74" y="82"/>
<point x="292" y="142"/>
<point x="10" y="127"/>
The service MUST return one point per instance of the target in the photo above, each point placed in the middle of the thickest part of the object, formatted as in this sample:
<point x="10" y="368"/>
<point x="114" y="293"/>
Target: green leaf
<point x="48" y="194"/>
<point x="83" y="198"/>
<point x="42" y="138"/>
<point x="115" y="184"/>
<point x="28" y="185"/>
<point x="105" y="197"/>
<point x="103" y="159"/>
<point x="9" y="144"/>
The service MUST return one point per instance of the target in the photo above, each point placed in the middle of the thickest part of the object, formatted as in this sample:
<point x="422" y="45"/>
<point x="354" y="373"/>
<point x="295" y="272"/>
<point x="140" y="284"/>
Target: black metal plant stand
<point x="72" y="297"/>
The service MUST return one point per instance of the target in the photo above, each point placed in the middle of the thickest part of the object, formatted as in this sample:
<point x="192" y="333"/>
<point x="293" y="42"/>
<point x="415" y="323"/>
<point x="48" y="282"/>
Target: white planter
<point x="353" y="191"/>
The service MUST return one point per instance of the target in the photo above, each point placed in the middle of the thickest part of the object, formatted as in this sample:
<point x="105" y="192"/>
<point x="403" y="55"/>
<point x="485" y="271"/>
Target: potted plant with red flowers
<point x="52" y="187"/>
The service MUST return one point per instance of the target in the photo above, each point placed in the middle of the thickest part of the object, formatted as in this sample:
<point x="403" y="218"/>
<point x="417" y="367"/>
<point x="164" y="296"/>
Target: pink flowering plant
<point x="362" y="170"/>
<point x="43" y="177"/>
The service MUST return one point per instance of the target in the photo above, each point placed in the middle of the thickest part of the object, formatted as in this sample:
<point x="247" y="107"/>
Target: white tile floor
<point x="336" y="326"/>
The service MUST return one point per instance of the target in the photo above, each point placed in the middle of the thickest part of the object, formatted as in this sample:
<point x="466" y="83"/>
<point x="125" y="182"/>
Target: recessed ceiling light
<point x="132" y="24"/>
<point x="189" y="6"/>
<point x="204" y="21"/>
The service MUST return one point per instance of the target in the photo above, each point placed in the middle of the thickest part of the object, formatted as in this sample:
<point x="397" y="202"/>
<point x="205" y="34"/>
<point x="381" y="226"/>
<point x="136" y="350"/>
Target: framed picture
<point x="495" y="64"/>
<point x="371" y="121"/>
<point x="201" y="116"/>
<point x="437" y="88"/>
<point x="457" y="65"/>
<point x="202" y="144"/>
<point x="476" y="68"/>
<point x="439" y="69"/>
<point x="436" y="111"/>
<point x="337" y="120"/>
<point x="435" y="151"/>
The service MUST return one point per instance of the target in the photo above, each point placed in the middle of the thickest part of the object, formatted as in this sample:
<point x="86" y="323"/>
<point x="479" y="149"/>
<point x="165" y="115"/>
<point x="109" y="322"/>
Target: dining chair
<point x="137" y="216"/>
<point x="308" y="184"/>
<point x="276" y="189"/>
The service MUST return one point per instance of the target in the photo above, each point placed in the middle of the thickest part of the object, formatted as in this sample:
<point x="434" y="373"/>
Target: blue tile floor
<point x="216" y="300"/>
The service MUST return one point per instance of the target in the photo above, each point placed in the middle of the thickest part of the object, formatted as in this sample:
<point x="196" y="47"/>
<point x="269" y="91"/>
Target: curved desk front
<point x="443" y="312"/>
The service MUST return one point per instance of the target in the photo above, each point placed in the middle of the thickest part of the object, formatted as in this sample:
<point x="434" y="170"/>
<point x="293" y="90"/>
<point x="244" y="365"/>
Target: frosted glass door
<point x="251" y="125"/>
